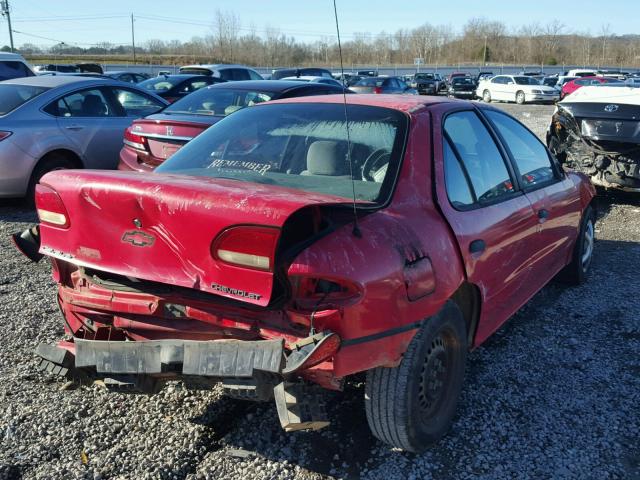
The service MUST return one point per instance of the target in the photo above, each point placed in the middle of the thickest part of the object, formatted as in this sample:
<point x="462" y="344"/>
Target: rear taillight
<point x="134" y="140"/>
<point x="316" y="294"/>
<point x="247" y="246"/>
<point x="377" y="90"/>
<point x="50" y="208"/>
<point x="4" y="134"/>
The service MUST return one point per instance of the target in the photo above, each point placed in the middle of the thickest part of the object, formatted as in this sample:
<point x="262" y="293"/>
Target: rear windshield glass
<point x="526" y="81"/>
<point x="218" y="102"/>
<point x="9" y="70"/>
<point x="370" y="82"/>
<point x="303" y="147"/>
<point x="462" y="81"/>
<point x="160" y="84"/>
<point x="12" y="96"/>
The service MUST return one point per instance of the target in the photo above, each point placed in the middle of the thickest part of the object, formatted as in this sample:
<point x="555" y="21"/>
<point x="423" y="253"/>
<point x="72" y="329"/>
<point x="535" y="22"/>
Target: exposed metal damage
<point x="596" y="131"/>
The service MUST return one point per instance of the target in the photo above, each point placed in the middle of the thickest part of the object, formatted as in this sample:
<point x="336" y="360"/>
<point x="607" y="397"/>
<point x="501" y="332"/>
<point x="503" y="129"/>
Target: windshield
<point x="526" y="81"/>
<point x="423" y="76"/>
<point x="303" y="147"/>
<point x="160" y="84"/>
<point x="217" y="101"/>
<point x="12" y="96"/>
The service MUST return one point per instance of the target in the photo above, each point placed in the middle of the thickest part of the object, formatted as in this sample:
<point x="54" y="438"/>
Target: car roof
<point x="178" y="76"/>
<point x="403" y="103"/>
<point x="268" y="85"/>
<point x="52" y="81"/>
<point x="217" y="66"/>
<point x="11" y="56"/>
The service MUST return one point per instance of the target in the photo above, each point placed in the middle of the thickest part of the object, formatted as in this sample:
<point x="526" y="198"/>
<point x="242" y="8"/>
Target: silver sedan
<point x="55" y="122"/>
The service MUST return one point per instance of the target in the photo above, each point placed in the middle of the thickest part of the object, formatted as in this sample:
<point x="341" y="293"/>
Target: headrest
<point x="326" y="157"/>
<point x="231" y="108"/>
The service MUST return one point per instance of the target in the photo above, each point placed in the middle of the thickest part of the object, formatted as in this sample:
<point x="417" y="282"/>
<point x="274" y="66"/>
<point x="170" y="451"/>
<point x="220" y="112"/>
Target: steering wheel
<point x="368" y="167"/>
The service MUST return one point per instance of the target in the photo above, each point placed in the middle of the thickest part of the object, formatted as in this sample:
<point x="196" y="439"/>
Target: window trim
<point x="558" y="174"/>
<point x="482" y="203"/>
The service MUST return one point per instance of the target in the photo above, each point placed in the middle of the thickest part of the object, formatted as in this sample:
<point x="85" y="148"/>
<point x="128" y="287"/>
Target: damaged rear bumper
<point x="254" y="370"/>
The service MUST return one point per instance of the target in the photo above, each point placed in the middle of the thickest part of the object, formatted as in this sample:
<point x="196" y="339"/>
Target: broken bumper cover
<point x="219" y="358"/>
<point x="132" y="365"/>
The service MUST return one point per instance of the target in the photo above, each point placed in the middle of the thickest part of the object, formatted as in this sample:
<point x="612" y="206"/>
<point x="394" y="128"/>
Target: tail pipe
<point x="28" y="242"/>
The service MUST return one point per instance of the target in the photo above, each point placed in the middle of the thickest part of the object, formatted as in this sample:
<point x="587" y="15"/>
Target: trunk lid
<point x="161" y="227"/>
<point x="166" y="134"/>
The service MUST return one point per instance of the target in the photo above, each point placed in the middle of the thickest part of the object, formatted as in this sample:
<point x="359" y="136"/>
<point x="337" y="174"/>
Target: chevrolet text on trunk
<point x="297" y="243"/>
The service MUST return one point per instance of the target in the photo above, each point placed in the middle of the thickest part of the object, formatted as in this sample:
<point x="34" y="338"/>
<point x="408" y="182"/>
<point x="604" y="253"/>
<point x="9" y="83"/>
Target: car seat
<point x="93" y="106"/>
<point x="327" y="158"/>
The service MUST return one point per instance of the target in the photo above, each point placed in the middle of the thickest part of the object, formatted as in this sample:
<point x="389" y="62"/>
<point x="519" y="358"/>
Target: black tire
<point x="577" y="271"/>
<point x="49" y="163"/>
<point x="412" y="405"/>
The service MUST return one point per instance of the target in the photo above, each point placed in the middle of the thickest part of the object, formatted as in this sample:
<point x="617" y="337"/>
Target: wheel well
<point x="468" y="299"/>
<point x="68" y="154"/>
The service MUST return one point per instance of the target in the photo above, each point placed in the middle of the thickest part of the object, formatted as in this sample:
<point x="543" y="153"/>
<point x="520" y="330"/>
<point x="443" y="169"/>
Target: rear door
<point x="553" y="196"/>
<point x="493" y="220"/>
<point x="93" y="123"/>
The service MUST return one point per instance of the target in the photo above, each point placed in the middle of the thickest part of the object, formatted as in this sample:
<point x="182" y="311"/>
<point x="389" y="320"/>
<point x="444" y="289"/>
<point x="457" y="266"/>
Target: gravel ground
<point x="555" y="393"/>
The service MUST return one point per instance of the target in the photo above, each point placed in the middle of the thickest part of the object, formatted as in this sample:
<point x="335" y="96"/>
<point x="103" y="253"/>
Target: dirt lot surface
<point x="554" y="394"/>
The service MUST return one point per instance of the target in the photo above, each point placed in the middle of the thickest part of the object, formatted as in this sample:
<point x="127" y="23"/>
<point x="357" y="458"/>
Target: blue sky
<point x="304" y="19"/>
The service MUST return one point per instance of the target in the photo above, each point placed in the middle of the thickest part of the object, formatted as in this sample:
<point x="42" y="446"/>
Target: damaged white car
<point x="596" y="130"/>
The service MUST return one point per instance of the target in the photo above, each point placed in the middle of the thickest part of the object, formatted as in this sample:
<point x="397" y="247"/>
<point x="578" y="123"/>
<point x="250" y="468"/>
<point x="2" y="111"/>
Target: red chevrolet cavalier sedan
<point x="290" y="246"/>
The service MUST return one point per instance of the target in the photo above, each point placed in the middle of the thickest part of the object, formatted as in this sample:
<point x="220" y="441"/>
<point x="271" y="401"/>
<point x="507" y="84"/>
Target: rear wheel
<point x="576" y="272"/>
<point x="520" y="98"/>
<point x="486" y="96"/>
<point x="49" y="163"/>
<point x="412" y="405"/>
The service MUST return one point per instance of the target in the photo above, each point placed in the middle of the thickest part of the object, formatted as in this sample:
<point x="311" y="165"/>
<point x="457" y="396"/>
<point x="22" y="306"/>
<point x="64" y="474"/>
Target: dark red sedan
<point x="277" y="254"/>
<point x="149" y="141"/>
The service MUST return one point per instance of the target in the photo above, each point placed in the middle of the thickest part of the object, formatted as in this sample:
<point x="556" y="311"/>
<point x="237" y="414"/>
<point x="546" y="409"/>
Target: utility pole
<point x="485" y="50"/>
<point x="5" y="11"/>
<point x="133" y="40"/>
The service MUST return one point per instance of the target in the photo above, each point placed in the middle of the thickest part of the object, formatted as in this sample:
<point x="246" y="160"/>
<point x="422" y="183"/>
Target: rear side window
<point x="9" y="70"/>
<point x="479" y="156"/>
<point x="456" y="181"/>
<point x="529" y="154"/>
<point x="136" y="104"/>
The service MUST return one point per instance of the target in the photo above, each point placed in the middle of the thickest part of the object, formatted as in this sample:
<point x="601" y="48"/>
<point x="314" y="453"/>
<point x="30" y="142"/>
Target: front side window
<point x="527" y="151"/>
<point x="301" y="147"/>
<point x="85" y="103"/>
<point x="136" y="104"/>
<point x="479" y="155"/>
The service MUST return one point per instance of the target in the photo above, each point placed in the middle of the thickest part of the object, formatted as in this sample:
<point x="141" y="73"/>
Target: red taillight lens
<point x="247" y="246"/>
<point x="377" y="90"/>
<point x="171" y="99"/>
<point x="315" y="294"/>
<point x="50" y="208"/>
<point x="4" y="134"/>
<point x="134" y="140"/>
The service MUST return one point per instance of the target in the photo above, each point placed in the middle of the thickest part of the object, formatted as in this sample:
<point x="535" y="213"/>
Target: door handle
<point x="477" y="246"/>
<point x="74" y="127"/>
<point x="543" y="214"/>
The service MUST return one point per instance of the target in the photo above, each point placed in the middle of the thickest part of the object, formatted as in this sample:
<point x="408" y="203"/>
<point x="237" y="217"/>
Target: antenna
<point x="356" y="228"/>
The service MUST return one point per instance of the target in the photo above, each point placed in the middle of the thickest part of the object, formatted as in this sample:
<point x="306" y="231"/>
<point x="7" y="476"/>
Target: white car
<point x="308" y="78"/>
<point x="515" y="88"/>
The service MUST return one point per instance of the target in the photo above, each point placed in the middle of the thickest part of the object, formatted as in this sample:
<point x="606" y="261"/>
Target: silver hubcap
<point x="520" y="98"/>
<point x="587" y="246"/>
